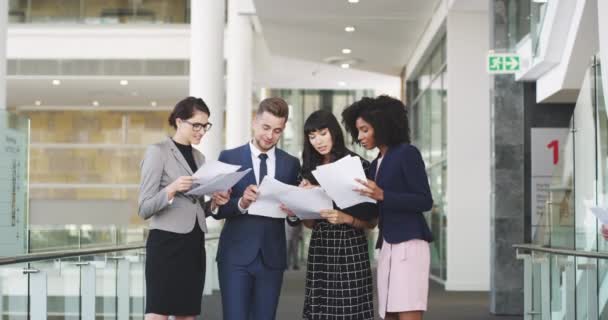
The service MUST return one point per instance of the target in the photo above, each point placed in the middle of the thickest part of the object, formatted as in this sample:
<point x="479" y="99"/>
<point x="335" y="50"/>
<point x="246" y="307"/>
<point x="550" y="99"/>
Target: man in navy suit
<point x="251" y="255"/>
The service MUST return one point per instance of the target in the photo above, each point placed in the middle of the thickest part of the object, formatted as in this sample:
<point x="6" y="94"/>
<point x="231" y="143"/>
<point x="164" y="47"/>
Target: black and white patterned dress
<point x="338" y="277"/>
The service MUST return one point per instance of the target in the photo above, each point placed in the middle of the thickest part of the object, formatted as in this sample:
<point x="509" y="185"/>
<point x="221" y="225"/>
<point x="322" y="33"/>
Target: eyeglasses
<point x="198" y="126"/>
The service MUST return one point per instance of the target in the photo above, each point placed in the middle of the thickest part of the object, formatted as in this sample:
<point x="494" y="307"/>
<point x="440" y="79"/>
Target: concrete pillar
<point x="468" y="148"/>
<point x="508" y="177"/>
<point x="207" y="68"/>
<point x="239" y="74"/>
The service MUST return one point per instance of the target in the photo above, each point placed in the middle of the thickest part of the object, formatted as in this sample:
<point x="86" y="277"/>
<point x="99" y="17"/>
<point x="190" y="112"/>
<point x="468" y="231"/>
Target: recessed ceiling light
<point x="96" y="103"/>
<point x="56" y="82"/>
<point x="349" y="29"/>
<point x="153" y="103"/>
<point x="346" y="51"/>
<point x="124" y="82"/>
<point x="342" y="84"/>
<point x="345" y="66"/>
<point x="38" y="102"/>
<point x="353" y="1"/>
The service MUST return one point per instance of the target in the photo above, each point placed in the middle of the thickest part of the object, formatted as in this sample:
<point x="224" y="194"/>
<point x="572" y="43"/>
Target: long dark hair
<point x="319" y="120"/>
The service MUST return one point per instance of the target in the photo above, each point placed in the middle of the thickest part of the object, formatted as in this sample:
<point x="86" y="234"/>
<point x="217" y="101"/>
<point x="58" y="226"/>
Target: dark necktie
<point x="263" y="166"/>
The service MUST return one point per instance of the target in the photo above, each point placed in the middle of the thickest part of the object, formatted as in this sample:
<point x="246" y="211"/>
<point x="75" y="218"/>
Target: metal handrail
<point x="41" y="256"/>
<point x="31" y="257"/>
<point x="564" y="252"/>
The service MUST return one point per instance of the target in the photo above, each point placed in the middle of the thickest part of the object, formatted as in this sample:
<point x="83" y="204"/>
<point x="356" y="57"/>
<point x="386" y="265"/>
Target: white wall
<point x="98" y="42"/>
<point x="3" y="22"/>
<point x="562" y="82"/>
<point x="173" y="42"/>
<point x="468" y="132"/>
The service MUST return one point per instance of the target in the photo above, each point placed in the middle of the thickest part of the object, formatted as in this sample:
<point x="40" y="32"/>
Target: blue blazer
<point x="407" y="195"/>
<point x="243" y="235"/>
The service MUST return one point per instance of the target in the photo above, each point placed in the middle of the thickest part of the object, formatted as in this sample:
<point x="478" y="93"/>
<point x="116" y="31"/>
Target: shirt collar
<point x="256" y="152"/>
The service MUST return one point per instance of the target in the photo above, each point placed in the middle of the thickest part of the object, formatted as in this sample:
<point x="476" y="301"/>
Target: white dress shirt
<point x="270" y="162"/>
<point x="255" y="161"/>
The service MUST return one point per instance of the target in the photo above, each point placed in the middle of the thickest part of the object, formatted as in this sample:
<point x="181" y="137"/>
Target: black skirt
<point x="175" y="272"/>
<point x="338" y="276"/>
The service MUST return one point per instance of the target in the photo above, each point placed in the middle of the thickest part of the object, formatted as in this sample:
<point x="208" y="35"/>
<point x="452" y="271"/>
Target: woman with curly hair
<point x="400" y="185"/>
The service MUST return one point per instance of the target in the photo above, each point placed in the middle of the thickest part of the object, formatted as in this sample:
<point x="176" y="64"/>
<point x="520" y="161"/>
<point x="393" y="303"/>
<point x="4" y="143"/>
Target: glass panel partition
<point x="14" y="182"/>
<point x="577" y="286"/>
<point x="99" y="11"/>
<point x="427" y="103"/>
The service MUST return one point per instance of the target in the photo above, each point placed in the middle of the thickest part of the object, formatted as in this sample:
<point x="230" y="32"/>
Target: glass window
<point x="427" y="102"/>
<point x="54" y="11"/>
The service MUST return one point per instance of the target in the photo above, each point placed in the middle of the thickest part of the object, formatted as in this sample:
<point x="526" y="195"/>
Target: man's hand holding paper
<point x="306" y="203"/>
<point x="215" y="176"/>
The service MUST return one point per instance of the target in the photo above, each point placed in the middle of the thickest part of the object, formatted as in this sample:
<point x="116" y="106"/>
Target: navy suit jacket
<point x="407" y="195"/>
<point x="243" y="235"/>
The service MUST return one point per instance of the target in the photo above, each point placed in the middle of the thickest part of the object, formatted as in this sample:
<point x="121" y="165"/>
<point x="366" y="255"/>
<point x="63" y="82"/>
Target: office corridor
<point x="442" y="305"/>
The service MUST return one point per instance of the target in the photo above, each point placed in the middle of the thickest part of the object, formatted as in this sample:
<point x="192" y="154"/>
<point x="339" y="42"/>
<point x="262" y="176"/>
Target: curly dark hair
<point x="387" y="115"/>
<point x="321" y="119"/>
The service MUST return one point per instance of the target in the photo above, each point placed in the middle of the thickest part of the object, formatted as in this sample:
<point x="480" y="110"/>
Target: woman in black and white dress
<point x="338" y="275"/>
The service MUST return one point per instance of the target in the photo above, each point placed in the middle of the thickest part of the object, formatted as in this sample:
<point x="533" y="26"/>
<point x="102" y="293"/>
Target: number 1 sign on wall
<point x="555" y="146"/>
<point x="545" y="145"/>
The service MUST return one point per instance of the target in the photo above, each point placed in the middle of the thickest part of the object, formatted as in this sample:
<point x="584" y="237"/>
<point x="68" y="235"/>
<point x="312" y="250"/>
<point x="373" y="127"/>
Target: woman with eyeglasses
<point x="175" y="248"/>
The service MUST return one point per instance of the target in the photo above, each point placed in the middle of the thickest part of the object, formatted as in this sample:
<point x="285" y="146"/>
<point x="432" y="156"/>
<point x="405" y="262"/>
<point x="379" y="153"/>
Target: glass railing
<point x="64" y="237"/>
<point x="92" y="283"/>
<point x="564" y="284"/>
<point x="566" y="267"/>
<point x="99" y="11"/>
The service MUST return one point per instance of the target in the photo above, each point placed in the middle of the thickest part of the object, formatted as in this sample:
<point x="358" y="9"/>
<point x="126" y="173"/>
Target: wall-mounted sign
<point x="503" y="63"/>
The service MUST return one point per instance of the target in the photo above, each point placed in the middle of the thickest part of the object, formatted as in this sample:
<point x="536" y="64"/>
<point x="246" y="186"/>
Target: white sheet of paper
<point x="600" y="213"/>
<point x="220" y="183"/>
<point x="268" y="204"/>
<point x="338" y="180"/>
<point x="306" y="203"/>
<point x="211" y="169"/>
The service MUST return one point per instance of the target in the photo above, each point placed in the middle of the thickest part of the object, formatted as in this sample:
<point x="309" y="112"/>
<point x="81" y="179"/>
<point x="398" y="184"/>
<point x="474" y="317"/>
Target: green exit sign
<point x="503" y="63"/>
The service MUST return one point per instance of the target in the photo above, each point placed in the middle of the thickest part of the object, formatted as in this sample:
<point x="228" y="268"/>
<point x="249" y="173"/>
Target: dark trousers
<point x="250" y="292"/>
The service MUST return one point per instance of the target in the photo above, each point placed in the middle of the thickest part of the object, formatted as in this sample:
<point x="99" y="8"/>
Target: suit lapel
<point x="178" y="156"/>
<point x="247" y="164"/>
<point x="372" y="169"/>
<point x="278" y="165"/>
<point x="380" y="170"/>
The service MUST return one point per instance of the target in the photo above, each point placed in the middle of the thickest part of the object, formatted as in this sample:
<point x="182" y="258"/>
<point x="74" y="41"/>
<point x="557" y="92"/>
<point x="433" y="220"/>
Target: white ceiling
<point x="387" y="31"/>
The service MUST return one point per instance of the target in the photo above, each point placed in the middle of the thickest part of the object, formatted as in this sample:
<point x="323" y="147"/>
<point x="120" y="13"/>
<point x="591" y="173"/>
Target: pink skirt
<point x="403" y="276"/>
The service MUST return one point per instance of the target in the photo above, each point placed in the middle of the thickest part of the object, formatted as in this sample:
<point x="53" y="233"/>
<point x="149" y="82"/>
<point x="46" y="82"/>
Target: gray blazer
<point x="163" y="163"/>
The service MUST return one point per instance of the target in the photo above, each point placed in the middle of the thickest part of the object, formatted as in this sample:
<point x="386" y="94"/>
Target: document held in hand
<point x="600" y="213"/>
<point x="338" y="180"/>
<point x="305" y="203"/>
<point x="215" y="176"/>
